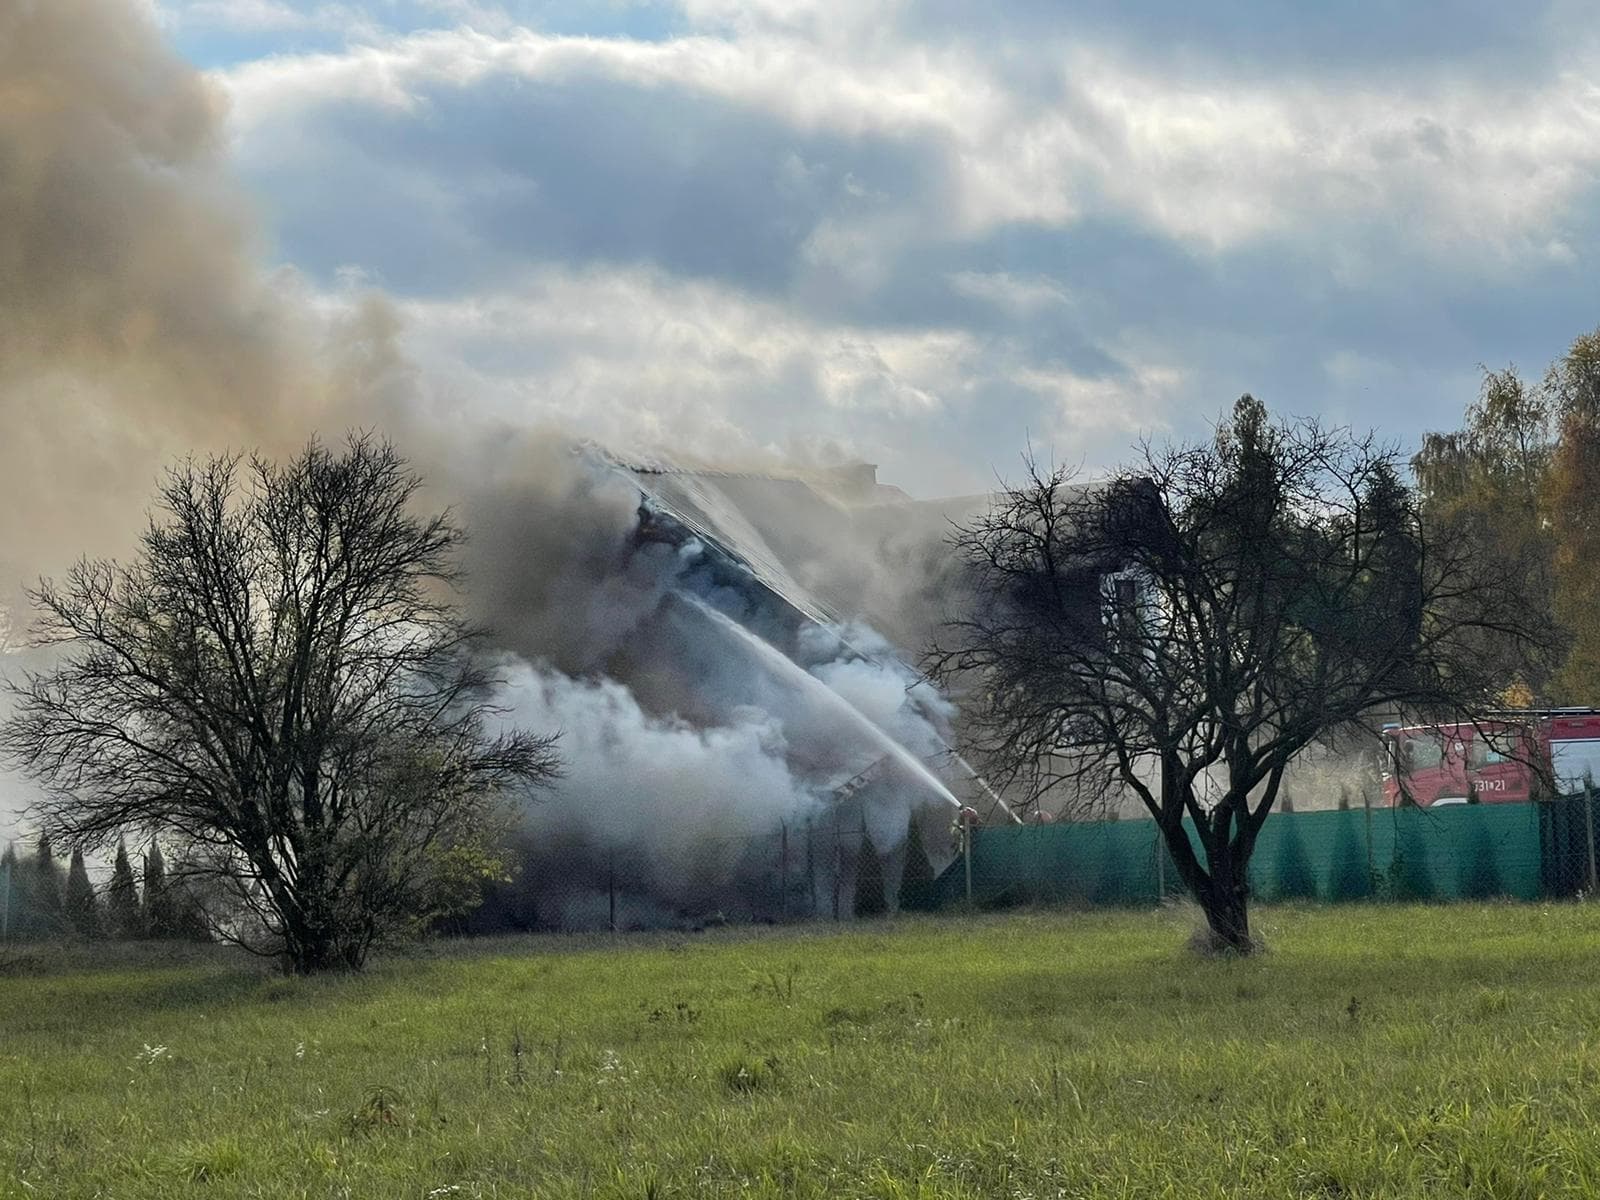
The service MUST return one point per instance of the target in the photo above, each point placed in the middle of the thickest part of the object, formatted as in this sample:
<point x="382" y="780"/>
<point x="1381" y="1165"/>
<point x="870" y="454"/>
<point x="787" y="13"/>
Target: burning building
<point x="731" y="676"/>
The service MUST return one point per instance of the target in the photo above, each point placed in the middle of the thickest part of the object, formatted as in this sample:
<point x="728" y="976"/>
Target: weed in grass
<point x="896" y="1009"/>
<point x="745" y="1074"/>
<point x="782" y="989"/>
<point x="1488" y="1002"/>
<point x="681" y="1013"/>
<point x="323" y="1158"/>
<point x="556" y="1051"/>
<point x="630" y="1183"/>
<point x="519" y="1071"/>
<point x="381" y="1109"/>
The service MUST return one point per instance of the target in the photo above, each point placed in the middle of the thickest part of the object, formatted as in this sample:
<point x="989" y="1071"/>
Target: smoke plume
<point x="138" y="325"/>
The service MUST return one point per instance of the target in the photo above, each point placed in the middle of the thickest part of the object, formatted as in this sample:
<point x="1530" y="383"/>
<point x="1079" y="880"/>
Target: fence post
<point x="1372" y="866"/>
<point x="1588" y="826"/>
<point x="811" y="868"/>
<point x="783" y="867"/>
<point x="611" y="887"/>
<point x="966" y="852"/>
<point x="838" y="864"/>
<point x="1161" y="865"/>
<point x="5" y="905"/>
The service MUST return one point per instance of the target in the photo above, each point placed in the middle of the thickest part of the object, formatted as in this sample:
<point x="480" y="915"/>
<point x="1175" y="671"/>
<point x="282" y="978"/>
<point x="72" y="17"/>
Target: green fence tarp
<point x="1455" y="852"/>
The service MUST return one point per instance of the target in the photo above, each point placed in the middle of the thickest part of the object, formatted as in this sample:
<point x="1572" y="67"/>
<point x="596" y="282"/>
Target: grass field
<point x="1373" y="1052"/>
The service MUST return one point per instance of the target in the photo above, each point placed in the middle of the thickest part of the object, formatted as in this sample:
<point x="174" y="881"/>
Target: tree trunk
<point x="1218" y="884"/>
<point x="310" y="952"/>
<point x="1227" y="909"/>
<point x="1225" y="893"/>
<point x="312" y="944"/>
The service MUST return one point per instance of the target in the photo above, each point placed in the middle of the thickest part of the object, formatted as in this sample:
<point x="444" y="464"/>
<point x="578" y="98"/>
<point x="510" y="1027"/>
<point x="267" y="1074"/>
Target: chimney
<point x="853" y="479"/>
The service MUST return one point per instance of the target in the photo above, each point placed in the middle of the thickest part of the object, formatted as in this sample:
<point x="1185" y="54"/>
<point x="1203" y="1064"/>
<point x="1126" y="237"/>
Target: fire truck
<point x="1510" y="758"/>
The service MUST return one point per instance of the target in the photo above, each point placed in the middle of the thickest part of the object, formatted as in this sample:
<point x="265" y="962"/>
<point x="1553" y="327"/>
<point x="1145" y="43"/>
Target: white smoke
<point x="691" y="799"/>
<point x="860" y="665"/>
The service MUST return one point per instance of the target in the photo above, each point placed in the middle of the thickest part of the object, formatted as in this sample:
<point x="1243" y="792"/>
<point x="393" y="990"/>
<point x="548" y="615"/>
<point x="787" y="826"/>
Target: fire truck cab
<point x="1511" y="758"/>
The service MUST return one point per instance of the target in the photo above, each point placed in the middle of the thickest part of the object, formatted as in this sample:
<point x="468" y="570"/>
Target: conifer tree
<point x="870" y="900"/>
<point x="123" y="917"/>
<point x="916" y="880"/>
<point x="49" y="918"/>
<point x="160" y="921"/>
<point x="10" y="910"/>
<point x="82" y="905"/>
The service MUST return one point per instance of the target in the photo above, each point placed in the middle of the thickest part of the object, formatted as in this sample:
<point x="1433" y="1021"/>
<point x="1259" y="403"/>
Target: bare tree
<point x="1182" y="630"/>
<point x="280" y="685"/>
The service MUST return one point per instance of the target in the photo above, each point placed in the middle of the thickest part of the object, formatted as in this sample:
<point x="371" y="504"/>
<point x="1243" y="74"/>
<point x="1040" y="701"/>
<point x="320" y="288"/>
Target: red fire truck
<point x="1513" y="757"/>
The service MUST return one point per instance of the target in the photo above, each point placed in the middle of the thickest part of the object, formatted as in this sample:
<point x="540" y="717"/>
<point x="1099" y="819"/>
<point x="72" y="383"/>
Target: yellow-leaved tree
<point x="1573" y="383"/>
<point x="1488" y="486"/>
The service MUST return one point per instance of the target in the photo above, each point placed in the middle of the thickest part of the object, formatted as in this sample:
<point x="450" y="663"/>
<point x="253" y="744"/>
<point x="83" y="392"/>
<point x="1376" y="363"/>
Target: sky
<point x="928" y="234"/>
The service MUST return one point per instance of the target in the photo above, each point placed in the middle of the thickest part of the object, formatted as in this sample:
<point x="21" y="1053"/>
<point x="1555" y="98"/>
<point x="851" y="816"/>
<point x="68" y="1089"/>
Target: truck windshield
<point x="1575" y="762"/>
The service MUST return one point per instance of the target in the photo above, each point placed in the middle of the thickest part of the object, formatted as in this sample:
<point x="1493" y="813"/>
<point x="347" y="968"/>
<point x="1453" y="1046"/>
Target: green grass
<point x="1401" y="1051"/>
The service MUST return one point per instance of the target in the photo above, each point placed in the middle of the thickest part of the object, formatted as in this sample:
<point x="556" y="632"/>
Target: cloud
<point x="923" y="236"/>
<point x="1209" y="162"/>
<point x="641" y="360"/>
<point x="1020" y="296"/>
<point x="259" y="16"/>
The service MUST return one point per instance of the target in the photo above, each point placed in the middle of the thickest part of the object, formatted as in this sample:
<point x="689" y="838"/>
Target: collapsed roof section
<point x="830" y="548"/>
<point x="835" y="545"/>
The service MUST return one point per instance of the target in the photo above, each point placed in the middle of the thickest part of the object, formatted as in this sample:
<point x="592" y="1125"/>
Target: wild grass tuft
<point x="211" y="1162"/>
<point x="747" y="1074"/>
